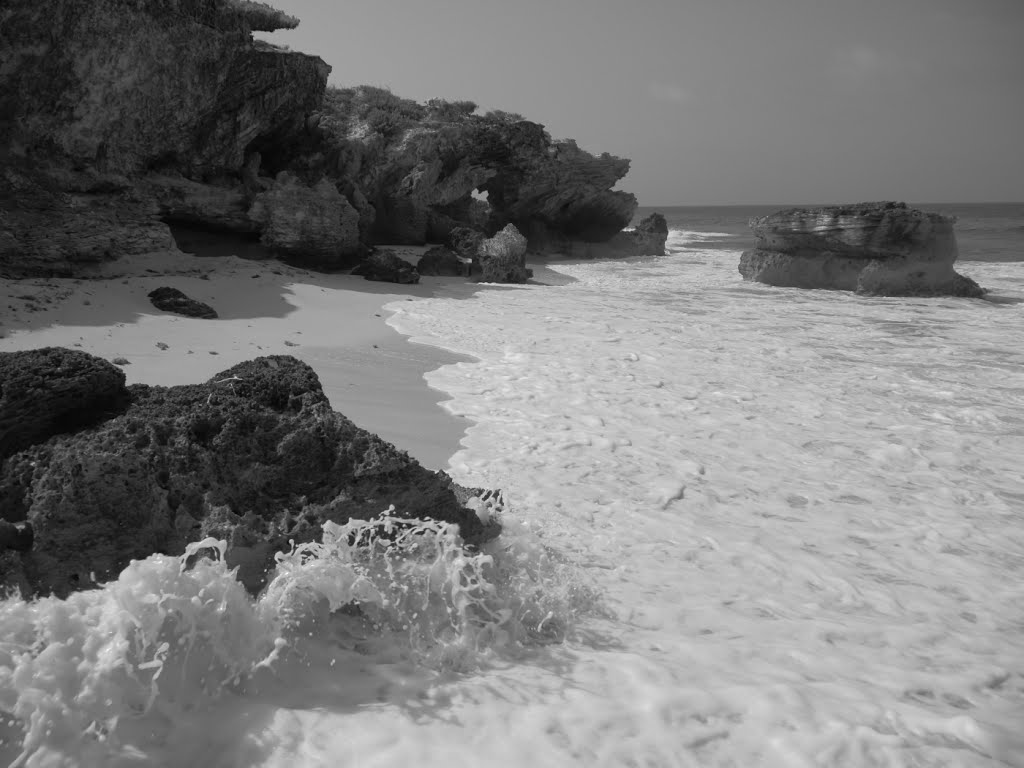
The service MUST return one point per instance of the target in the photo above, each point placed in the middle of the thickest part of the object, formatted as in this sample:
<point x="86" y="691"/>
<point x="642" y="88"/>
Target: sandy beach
<point x="335" y="323"/>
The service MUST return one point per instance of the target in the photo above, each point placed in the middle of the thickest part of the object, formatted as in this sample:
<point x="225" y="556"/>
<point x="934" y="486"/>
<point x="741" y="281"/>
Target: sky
<point x="719" y="102"/>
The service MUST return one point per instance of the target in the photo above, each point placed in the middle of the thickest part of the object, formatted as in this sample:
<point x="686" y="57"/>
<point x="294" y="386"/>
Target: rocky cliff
<point x="879" y="248"/>
<point x="117" y="118"/>
<point x="98" y="97"/>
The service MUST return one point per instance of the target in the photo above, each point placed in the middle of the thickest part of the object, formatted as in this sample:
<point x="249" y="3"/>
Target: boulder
<point x="309" y="226"/>
<point x="388" y="267"/>
<point x="444" y="262"/>
<point x="50" y="391"/>
<point x="503" y="258"/>
<point x="255" y="456"/>
<point x="173" y="300"/>
<point x="881" y="248"/>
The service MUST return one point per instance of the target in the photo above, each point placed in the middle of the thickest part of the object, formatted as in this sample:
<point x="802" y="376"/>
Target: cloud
<point x="671" y="94"/>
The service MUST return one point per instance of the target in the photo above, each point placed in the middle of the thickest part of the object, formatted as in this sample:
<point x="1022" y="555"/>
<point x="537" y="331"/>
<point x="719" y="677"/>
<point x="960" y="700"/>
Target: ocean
<point x="985" y="231"/>
<point x="744" y="526"/>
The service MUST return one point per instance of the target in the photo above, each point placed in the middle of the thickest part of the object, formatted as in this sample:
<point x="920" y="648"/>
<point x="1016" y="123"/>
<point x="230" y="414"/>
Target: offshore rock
<point x="173" y="300"/>
<point x="185" y="91"/>
<point x="309" y="226"/>
<point x="388" y="267"/>
<point x="503" y="258"/>
<point x="255" y="455"/>
<point x="49" y="391"/>
<point x="882" y="248"/>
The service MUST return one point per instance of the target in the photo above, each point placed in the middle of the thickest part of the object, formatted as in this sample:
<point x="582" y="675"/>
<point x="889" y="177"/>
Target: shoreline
<point x="336" y="323"/>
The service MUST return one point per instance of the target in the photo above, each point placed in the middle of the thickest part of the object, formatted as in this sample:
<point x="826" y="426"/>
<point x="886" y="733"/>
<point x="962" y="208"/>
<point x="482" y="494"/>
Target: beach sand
<point x="335" y="323"/>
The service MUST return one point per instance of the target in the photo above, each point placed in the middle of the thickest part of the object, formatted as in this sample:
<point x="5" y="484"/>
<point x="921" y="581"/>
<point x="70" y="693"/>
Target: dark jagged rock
<point x="49" y="391"/>
<point x="442" y="261"/>
<point x="503" y="257"/>
<point x="173" y="300"/>
<point x="101" y="146"/>
<point x="255" y="455"/>
<point x="466" y="242"/>
<point x="185" y="91"/>
<point x="388" y="267"/>
<point x="882" y="248"/>
<point x="647" y="238"/>
<point x="418" y="166"/>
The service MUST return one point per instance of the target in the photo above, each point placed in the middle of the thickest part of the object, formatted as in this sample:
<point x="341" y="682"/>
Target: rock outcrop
<point x="96" y="97"/>
<point x="387" y="267"/>
<point x="647" y="238"/>
<point x="118" y="118"/>
<point x="173" y="300"/>
<point x="255" y="456"/>
<point x="502" y="258"/>
<point x="884" y="248"/>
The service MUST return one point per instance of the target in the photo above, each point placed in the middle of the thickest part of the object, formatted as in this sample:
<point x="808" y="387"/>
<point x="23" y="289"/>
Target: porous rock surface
<point x="173" y="300"/>
<point x="881" y="248"/>
<point x="502" y="258"/>
<point x="255" y="456"/>
<point x="48" y="391"/>
<point x="96" y="96"/>
<point x="186" y="119"/>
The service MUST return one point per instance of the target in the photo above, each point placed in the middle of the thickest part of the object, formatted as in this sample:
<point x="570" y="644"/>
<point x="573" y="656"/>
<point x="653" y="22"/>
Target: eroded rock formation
<point x="647" y="238"/>
<point x="883" y="248"/>
<point x="255" y="455"/>
<point x="96" y="97"/>
<point x="116" y="118"/>
<point x="502" y="258"/>
<point x="311" y="226"/>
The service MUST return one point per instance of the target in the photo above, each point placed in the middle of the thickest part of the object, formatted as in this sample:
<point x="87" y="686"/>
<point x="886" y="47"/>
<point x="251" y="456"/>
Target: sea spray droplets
<point x="151" y="643"/>
<point x="113" y="670"/>
<point x="416" y="579"/>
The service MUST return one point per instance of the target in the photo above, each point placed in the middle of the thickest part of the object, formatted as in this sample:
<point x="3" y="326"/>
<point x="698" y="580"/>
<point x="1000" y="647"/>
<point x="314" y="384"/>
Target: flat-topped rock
<point x="880" y="248"/>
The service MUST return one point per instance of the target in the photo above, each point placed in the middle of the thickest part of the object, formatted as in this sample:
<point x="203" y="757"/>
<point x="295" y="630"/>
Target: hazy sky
<point x="720" y="101"/>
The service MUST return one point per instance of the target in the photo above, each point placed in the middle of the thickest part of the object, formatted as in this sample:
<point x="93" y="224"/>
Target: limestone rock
<point x="310" y="226"/>
<point x="44" y="392"/>
<point x="444" y="262"/>
<point x="183" y="91"/>
<point x="503" y="257"/>
<point x="255" y="455"/>
<point x="387" y="266"/>
<point x="878" y="248"/>
<point x="647" y="238"/>
<point x="173" y="300"/>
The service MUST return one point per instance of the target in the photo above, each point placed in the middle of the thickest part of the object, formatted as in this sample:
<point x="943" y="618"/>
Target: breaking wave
<point x="113" y="675"/>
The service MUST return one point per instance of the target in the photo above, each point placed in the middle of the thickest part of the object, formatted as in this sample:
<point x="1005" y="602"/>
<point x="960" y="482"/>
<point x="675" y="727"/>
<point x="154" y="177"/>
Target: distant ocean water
<point x="984" y="231"/>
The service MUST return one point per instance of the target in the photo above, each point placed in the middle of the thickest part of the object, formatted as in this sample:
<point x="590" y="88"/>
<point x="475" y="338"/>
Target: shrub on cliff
<point x="439" y="109"/>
